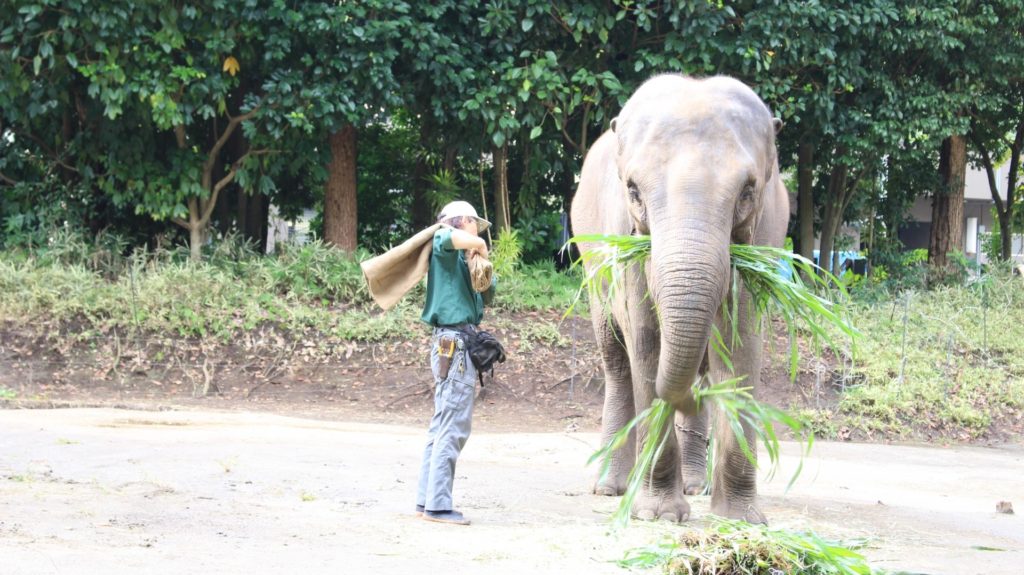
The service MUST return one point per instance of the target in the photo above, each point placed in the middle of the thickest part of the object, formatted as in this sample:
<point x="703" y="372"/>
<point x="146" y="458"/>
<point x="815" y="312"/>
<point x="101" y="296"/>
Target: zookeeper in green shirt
<point x="452" y="308"/>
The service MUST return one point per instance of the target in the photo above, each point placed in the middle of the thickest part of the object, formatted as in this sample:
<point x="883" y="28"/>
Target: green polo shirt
<point x="450" y="296"/>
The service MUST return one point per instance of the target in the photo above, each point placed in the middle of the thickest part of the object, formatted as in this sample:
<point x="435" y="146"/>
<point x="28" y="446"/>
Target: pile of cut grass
<point x="729" y="547"/>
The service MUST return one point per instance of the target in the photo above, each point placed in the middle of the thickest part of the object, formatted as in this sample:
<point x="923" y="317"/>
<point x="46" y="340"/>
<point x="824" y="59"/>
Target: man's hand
<point x="482" y="252"/>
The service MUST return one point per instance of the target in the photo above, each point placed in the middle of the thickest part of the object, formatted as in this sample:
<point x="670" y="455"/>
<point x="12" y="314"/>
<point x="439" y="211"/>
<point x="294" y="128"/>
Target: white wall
<point x="976" y="183"/>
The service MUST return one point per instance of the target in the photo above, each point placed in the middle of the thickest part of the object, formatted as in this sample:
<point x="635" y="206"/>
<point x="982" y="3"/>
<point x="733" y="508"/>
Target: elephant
<point x="692" y="163"/>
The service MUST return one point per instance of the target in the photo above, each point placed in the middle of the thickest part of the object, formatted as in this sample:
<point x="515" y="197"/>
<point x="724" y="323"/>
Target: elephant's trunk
<point x="691" y="277"/>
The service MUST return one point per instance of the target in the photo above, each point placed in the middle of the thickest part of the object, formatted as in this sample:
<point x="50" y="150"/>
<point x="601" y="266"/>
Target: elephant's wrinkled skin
<point x="692" y="163"/>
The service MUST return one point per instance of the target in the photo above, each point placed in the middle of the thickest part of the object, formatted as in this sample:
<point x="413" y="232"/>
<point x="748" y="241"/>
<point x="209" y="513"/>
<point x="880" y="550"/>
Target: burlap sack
<point x="481" y="272"/>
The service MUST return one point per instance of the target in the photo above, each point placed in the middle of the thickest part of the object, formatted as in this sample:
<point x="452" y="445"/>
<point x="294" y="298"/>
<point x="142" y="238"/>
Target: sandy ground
<point x="114" y="491"/>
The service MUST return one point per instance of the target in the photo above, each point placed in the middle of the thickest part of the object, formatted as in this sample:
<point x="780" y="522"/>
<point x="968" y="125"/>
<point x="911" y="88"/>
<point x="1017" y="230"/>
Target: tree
<point x="947" y="232"/>
<point x="352" y="47"/>
<point x="997" y="113"/>
<point x="1012" y="145"/>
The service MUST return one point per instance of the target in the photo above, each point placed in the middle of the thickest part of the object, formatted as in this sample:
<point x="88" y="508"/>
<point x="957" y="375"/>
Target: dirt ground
<point x="121" y="491"/>
<point x="303" y="454"/>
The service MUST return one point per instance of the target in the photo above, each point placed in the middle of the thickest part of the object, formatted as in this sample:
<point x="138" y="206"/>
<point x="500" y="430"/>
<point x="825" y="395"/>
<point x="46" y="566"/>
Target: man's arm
<point x="466" y="241"/>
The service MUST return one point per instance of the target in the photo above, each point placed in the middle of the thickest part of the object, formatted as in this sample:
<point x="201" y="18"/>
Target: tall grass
<point x="947" y="362"/>
<point x="102" y="285"/>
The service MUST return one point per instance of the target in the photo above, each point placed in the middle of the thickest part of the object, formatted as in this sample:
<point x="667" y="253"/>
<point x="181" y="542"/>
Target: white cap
<point x="463" y="209"/>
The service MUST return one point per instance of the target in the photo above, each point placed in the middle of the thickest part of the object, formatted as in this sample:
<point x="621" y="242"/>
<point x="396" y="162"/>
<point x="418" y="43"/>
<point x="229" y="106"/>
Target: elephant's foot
<point x="743" y="511"/>
<point x="693" y="484"/>
<point x="612" y="485"/>
<point x="667" y="506"/>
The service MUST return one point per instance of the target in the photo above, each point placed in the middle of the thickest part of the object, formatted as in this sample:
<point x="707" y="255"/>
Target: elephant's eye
<point x="748" y="193"/>
<point x="634" y="192"/>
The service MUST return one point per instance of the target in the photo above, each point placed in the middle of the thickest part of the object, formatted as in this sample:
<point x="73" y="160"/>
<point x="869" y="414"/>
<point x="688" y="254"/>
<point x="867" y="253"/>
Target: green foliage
<point x="800" y="305"/>
<point x="653" y="426"/>
<point x="384" y="183"/>
<point x="992" y="244"/>
<point x="544" y="332"/>
<point x="959" y="369"/>
<point x="730" y="546"/>
<point x="539" y="236"/>
<point x="316" y="272"/>
<point x="235" y="290"/>
<point x="738" y="406"/>
<point x="536" y="287"/>
<point x="506" y="253"/>
<point x="114" y="110"/>
<point x="443" y="190"/>
<point x="897" y="271"/>
<point x="609" y="257"/>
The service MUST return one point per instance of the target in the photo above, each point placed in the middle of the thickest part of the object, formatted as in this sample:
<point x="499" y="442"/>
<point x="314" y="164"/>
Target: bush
<point x="234" y="289"/>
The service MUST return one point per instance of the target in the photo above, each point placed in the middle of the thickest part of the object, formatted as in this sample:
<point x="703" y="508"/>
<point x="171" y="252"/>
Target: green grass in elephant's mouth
<point x="809" y="300"/>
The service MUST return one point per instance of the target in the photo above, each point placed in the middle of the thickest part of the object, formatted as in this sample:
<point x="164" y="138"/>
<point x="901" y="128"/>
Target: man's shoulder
<point x="443" y="240"/>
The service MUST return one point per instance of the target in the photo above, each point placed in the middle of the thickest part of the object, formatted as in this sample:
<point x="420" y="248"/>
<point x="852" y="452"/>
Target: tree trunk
<point x="340" y="193"/>
<point x="832" y="212"/>
<point x="252" y="213"/>
<point x="422" y="212"/>
<point x="1003" y="209"/>
<point x="224" y="213"/>
<point x="947" y="233"/>
<point x="1011" y="190"/>
<point x="195" y="231"/>
<point x="451" y="155"/>
<point x="241" y="211"/>
<point x="805" y="199"/>
<point x="502" y="215"/>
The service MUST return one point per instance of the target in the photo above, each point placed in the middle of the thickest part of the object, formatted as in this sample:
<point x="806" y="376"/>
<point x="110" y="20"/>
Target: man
<point x="452" y="308"/>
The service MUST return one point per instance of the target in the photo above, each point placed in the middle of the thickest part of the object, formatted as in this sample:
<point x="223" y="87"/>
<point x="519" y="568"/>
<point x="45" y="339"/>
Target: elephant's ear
<point x="613" y="123"/>
<point x="777" y="124"/>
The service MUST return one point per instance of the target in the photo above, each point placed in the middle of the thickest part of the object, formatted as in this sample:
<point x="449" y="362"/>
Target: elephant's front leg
<point x="661" y="496"/>
<point x="734" y="485"/>
<point x="692" y="431"/>
<point x="618" y="405"/>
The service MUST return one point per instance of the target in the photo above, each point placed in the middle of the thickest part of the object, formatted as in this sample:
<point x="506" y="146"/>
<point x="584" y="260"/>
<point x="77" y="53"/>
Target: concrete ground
<point x="114" y="491"/>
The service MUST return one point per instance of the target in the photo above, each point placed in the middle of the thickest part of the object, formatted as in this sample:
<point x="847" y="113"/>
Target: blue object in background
<point x="851" y="260"/>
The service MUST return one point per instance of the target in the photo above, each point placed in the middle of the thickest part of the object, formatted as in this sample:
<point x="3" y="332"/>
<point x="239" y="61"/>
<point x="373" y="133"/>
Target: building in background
<point x="978" y="217"/>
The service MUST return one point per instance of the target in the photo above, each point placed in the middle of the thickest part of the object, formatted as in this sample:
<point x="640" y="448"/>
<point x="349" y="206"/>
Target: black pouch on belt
<point x="445" y="352"/>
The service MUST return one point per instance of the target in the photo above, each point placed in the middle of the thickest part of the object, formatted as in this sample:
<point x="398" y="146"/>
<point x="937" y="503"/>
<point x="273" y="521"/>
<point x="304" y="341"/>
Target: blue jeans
<point x="450" y="426"/>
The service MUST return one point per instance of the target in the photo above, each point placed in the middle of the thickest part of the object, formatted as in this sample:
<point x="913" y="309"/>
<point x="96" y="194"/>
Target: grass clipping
<point x="761" y="270"/>
<point x="729" y="547"/>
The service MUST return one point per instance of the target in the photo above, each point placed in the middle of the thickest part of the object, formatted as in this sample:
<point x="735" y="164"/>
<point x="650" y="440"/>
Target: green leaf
<point x="535" y="132"/>
<point x="498" y="138"/>
<point x="37" y="64"/>
<point x="527" y="24"/>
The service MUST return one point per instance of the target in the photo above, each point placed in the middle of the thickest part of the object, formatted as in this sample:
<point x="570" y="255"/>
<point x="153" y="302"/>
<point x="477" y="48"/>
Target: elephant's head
<point x="695" y="158"/>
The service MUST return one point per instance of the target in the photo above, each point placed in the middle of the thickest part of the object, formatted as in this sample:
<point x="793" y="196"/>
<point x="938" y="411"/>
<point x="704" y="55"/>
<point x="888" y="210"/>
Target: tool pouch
<point x="445" y="352"/>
